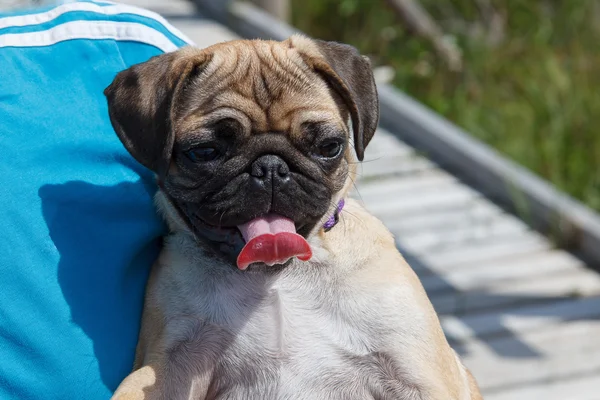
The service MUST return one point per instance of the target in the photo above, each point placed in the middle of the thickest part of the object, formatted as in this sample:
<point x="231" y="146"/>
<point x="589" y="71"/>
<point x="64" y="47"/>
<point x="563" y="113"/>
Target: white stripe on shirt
<point x="131" y="31"/>
<point x="40" y="18"/>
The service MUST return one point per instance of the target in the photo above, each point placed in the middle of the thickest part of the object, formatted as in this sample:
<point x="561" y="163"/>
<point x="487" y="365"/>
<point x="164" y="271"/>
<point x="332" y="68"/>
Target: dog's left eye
<point x="330" y="149"/>
<point x="200" y="154"/>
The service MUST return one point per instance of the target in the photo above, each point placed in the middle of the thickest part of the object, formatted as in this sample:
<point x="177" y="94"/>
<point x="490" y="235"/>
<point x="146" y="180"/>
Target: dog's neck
<point x="226" y="241"/>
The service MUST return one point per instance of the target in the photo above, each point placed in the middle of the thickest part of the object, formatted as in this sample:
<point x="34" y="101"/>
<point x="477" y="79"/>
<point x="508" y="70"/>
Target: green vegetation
<point x="533" y="95"/>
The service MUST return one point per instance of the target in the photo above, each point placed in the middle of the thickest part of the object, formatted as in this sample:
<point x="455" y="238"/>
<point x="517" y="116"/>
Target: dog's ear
<point x="351" y="76"/>
<point x="141" y="103"/>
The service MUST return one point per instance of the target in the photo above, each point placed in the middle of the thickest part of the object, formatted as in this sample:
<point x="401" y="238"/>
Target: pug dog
<point x="271" y="283"/>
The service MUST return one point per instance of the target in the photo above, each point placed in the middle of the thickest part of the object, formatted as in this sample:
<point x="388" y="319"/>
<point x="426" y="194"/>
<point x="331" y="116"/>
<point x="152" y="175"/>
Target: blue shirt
<point x="79" y="230"/>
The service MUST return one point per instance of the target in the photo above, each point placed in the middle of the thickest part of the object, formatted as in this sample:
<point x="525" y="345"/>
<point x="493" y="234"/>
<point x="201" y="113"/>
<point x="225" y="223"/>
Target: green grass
<point x="535" y="96"/>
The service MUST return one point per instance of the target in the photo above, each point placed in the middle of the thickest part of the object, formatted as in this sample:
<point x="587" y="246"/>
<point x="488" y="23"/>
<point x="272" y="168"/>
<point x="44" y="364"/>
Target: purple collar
<point x="333" y="220"/>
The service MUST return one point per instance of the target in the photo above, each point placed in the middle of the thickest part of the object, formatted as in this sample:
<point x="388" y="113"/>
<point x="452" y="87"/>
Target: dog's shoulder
<point x="385" y="297"/>
<point x="362" y="247"/>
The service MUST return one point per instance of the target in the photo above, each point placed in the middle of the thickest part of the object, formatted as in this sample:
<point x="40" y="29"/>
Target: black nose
<point x="270" y="168"/>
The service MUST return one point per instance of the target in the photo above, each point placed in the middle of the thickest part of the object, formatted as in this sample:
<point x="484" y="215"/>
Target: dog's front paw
<point x="129" y="396"/>
<point x="137" y="386"/>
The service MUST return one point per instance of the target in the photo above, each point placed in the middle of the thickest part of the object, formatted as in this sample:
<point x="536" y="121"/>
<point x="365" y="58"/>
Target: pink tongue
<point x="271" y="239"/>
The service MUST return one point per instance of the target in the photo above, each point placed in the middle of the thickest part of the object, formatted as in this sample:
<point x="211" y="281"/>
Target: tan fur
<point x="356" y="295"/>
<point x="264" y="81"/>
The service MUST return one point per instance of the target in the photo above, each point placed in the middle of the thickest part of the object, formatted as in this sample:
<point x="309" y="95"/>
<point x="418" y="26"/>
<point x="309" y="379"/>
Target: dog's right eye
<point x="202" y="154"/>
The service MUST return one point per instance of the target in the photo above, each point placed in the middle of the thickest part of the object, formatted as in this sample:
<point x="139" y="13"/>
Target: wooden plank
<point x="518" y="320"/>
<point x="397" y="165"/>
<point x="396" y="204"/>
<point x="471" y="255"/>
<point x="427" y="181"/>
<point x="396" y="200"/>
<point x="386" y="144"/>
<point x="506" y="271"/>
<point x="564" y="351"/>
<point x="204" y="33"/>
<point x="577" y="283"/>
<point x="386" y="155"/>
<point x="434" y="240"/>
<point x="479" y="212"/>
<point x="585" y="387"/>
<point x="165" y="8"/>
<point x="474" y="254"/>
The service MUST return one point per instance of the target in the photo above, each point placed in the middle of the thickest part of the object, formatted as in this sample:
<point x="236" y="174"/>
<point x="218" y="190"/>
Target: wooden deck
<point x="524" y="315"/>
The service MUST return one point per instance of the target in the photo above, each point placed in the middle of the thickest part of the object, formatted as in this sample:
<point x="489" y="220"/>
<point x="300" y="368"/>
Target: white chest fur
<point x="287" y="334"/>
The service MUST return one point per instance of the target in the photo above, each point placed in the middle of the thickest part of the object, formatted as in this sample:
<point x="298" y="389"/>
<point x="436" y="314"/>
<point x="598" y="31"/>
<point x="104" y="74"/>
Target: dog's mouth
<point x="271" y="239"/>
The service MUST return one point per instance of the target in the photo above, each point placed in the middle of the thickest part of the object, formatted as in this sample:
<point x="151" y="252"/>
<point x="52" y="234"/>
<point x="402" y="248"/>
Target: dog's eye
<point x="200" y="154"/>
<point x="330" y="149"/>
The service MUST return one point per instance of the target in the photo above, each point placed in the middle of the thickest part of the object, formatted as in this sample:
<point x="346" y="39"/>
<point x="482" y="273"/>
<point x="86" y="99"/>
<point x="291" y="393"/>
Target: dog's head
<point x="246" y="129"/>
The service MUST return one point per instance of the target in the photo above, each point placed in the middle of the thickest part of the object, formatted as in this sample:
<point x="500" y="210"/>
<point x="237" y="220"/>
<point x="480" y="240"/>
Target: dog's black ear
<point x="351" y="76"/>
<point x="141" y="102"/>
